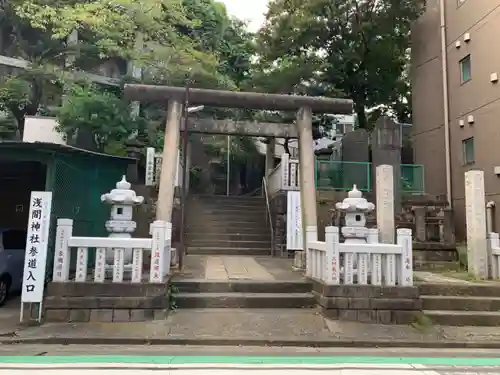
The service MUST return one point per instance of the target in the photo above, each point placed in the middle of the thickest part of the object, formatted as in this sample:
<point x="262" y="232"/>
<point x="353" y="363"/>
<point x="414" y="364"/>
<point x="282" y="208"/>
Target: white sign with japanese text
<point x="36" y="246"/>
<point x="293" y="222"/>
<point x="150" y="166"/>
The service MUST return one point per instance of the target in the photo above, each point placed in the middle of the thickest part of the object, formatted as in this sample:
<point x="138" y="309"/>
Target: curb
<point x="255" y="342"/>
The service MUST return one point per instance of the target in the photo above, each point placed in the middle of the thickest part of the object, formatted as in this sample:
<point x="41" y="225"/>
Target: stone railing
<point x="334" y="263"/>
<point x="114" y="251"/>
<point x="285" y="176"/>
<point x="494" y="254"/>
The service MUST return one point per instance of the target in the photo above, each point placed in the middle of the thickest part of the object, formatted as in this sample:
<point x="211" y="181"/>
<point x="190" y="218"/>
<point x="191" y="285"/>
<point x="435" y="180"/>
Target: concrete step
<point x="241" y="286"/>
<point x="244" y="300"/>
<point x="228" y="251"/>
<point x="239" y="217"/>
<point x="460" y="303"/>
<point x="196" y="219"/>
<point x="229" y="227"/>
<point x="225" y="236"/>
<point x="97" y="302"/>
<point x="464" y="318"/>
<point x="212" y="209"/>
<point x="471" y="289"/>
<point x="226" y="200"/>
<point x="232" y="244"/>
<point x="435" y="265"/>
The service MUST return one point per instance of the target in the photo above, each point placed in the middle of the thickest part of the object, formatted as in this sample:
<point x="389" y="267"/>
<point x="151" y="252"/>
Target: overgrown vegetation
<point x="172" y="300"/>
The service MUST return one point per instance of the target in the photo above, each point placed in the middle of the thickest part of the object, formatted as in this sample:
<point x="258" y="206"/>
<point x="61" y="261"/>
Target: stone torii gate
<point x="303" y="105"/>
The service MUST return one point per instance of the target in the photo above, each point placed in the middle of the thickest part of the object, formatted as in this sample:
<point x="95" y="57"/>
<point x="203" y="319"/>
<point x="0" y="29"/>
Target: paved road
<point x="192" y="360"/>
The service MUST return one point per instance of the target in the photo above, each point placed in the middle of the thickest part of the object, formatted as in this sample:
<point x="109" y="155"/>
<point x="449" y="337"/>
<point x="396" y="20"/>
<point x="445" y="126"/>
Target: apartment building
<point x="456" y="98"/>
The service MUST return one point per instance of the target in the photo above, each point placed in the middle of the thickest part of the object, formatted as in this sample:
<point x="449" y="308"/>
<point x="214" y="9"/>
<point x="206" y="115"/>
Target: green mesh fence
<point x="342" y="175"/>
<point x="78" y="181"/>
<point x="412" y="178"/>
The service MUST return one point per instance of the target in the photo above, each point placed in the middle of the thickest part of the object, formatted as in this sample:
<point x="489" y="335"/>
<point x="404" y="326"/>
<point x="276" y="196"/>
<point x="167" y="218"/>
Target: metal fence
<point x="412" y="178"/>
<point x="342" y="175"/>
<point x="77" y="182"/>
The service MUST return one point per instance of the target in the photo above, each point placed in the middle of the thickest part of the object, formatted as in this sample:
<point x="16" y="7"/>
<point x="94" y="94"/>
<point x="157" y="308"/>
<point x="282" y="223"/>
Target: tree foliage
<point x="170" y="40"/>
<point x="100" y="114"/>
<point x="355" y="48"/>
<point x="23" y="91"/>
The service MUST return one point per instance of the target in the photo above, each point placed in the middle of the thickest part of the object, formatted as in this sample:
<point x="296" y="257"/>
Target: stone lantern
<point x="122" y="201"/>
<point x="355" y="208"/>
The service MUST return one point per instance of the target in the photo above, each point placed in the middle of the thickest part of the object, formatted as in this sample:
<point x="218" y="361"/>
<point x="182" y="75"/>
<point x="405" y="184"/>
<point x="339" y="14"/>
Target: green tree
<point x="37" y="32"/>
<point x="101" y="118"/>
<point x="214" y="31"/>
<point x="25" y="90"/>
<point x="354" y="47"/>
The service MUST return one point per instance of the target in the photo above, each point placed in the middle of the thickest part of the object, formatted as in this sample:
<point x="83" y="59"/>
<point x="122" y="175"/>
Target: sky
<point x="249" y="10"/>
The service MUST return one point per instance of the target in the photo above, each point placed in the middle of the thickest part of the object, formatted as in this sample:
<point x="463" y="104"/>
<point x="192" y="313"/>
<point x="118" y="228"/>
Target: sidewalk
<point x="270" y="327"/>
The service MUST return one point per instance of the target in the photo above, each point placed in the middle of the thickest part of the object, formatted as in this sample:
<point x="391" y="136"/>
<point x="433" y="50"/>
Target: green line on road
<point x="173" y="360"/>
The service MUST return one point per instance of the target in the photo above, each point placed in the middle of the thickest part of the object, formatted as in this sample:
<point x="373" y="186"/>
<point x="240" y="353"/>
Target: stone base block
<point x="107" y="302"/>
<point x="299" y="260"/>
<point x="368" y="303"/>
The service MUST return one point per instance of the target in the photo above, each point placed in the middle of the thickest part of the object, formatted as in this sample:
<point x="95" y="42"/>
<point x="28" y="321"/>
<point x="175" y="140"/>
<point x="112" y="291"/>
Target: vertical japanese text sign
<point x="36" y="247"/>
<point x="150" y="166"/>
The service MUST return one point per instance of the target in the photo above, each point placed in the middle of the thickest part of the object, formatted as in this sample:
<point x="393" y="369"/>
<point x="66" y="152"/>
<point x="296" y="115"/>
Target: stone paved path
<point x="225" y="268"/>
<point x="431" y="277"/>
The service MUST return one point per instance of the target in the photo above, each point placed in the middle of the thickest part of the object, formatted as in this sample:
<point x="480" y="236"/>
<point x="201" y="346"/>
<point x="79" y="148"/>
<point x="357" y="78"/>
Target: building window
<point x="465" y="69"/>
<point x="468" y="150"/>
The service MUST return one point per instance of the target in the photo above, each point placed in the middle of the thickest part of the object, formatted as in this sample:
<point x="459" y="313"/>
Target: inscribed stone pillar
<point x="475" y="214"/>
<point x="448" y="227"/>
<point x="384" y="179"/>
<point x="306" y="171"/>
<point x="270" y="155"/>
<point x="355" y="149"/>
<point x="420" y="225"/>
<point x="386" y="149"/>
<point x="169" y="162"/>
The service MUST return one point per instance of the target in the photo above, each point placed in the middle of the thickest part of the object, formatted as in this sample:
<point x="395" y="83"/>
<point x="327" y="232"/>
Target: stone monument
<point x="384" y="179"/>
<point x="122" y="201"/>
<point x="475" y="214"/>
<point x="386" y="150"/>
<point x="356" y="158"/>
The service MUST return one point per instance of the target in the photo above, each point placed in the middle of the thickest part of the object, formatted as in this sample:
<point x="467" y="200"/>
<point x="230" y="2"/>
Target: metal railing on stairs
<point x="269" y="216"/>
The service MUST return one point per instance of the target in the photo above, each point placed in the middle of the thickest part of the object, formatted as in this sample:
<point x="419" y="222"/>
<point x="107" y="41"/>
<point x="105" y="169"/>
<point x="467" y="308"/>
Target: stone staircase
<point x="228" y="263"/>
<point x="470" y="304"/>
<point x="244" y="294"/>
<point x="220" y="225"/>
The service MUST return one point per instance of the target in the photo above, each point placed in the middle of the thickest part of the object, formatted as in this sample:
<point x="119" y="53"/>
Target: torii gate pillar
<point x="306" y="175"/>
